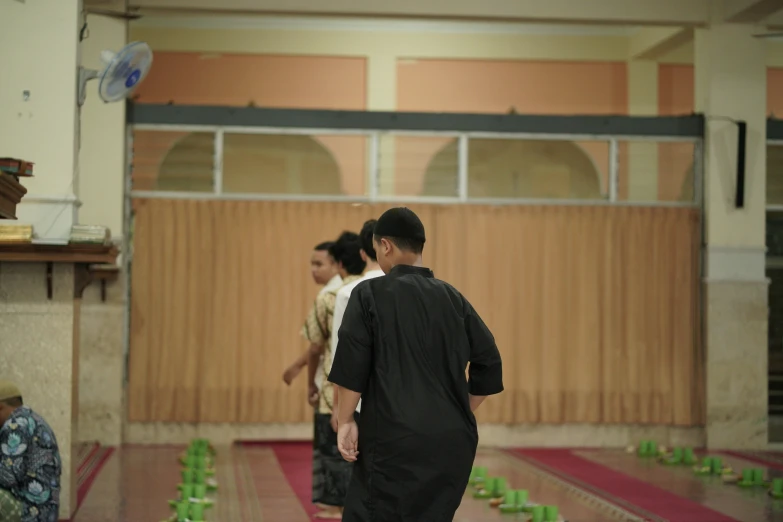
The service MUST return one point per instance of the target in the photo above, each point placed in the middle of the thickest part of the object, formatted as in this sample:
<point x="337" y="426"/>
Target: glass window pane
<point x="545" y="169"/>
<point x="774" y="231"/>
<point x="650" y="171"/>
<point x="775" y="174"/>
<point x="173" y="161"/>
<point x="417" y="166"/>
<point x="294" y="164"/>
<point x="775" y="296"/>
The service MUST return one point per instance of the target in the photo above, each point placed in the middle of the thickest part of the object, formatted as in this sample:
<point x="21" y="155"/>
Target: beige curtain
<point x="595" y="309"/>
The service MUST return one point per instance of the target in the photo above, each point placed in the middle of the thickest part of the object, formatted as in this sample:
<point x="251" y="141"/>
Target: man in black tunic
<point x="404" y="344"/>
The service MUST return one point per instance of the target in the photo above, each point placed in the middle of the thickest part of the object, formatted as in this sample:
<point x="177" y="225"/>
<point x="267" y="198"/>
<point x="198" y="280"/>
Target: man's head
<point x="346" y="251"/>
<point x="10" y="399"/>
<point x="322" y="264"/>
<point x="366" y="237"/>
<point x="399" y="238"/>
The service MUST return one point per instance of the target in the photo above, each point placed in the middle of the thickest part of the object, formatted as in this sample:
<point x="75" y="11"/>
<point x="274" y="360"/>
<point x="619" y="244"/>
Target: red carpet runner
<point x="621" y="489"/>
<point x="770" y="459"/>
<point x="90" y="459"/>
<point x="296" y="461"/>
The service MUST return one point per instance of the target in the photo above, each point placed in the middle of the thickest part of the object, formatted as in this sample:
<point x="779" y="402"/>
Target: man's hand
<point x="291" y="372"/>
<point x="313" y="395"/>
<point x="348" y="441"/>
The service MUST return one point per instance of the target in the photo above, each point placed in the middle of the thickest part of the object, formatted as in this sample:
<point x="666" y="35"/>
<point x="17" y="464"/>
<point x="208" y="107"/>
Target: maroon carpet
<point x="91" y="458"/>
<point x="296" y="461"/>
<point x="769" y="459"/>
<point x="621" y="489"/>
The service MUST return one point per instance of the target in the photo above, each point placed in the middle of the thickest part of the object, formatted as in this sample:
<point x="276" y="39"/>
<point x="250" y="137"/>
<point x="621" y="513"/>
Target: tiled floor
<point x="738" y="503"/>
<point x="266" y="484"/>
<point x="135" y="484"/>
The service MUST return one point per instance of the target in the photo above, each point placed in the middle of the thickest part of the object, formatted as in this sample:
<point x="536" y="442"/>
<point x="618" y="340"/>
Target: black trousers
<point x="331" y="473"/>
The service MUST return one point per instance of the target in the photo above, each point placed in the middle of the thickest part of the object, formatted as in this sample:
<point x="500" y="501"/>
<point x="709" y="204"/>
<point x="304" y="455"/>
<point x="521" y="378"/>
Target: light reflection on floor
<point x="137" y="482"/>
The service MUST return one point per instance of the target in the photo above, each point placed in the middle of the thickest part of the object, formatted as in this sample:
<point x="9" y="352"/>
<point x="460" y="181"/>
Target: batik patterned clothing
<point x="331" y="473"/>
<point x="335" y="283"/>
<point x="318" y="330"/>
<point x="30" y="465"/>
<point x="10" y="507"/>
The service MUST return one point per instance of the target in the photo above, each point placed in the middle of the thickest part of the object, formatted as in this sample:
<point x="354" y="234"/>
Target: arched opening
<point x="252" y="164"/>
<point x="517" y="169"/>
<point x="188" y="164"/>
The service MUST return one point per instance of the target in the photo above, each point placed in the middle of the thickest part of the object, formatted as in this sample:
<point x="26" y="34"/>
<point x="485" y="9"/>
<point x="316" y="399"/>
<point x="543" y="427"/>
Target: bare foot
<point x="331" y="513"/>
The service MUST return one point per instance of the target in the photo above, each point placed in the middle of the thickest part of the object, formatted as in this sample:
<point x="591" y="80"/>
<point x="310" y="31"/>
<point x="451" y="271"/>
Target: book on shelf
<point x="16" y="233"/>
<point x="16" y="167"/>
<point x="90" y="234"/>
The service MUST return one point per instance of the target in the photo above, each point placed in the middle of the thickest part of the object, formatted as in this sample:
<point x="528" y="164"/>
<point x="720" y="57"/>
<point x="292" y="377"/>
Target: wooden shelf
<point x="78" y="253"/>
<point x="104" y="274"/>
<point x="91" y="262"/>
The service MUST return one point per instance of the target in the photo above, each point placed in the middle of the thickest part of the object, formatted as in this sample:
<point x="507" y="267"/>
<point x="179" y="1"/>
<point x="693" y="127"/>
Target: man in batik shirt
<point x="324" y="271"/>
<point x="30" y="464"/>
<point x="331" y="474"/>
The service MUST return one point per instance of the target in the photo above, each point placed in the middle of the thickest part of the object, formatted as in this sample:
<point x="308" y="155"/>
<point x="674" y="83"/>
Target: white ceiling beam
<point x="691" y="13"/>
<point x="751" y="11"/>
<point x="653" y="42"/>
<point x="108" y="5"/>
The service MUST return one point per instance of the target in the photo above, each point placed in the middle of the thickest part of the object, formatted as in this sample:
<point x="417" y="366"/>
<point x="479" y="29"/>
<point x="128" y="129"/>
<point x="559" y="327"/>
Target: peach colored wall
<point x="675" y="90"/>
<point x="775" y="92"/>
<point x="676" y="86"/>
<point x="429" y="85"/>
<point x="497" y="86"/>
<point x="675" y="98"/>
<point x="306" y="82"/>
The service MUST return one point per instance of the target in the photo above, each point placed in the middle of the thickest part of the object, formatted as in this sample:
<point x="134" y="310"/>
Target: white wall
<point x="102" y="155"/>
<point x="38" y="56"/>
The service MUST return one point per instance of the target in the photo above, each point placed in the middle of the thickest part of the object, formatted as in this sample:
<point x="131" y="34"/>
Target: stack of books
<point x="16" y="234"/>
<point x="90" y="235"/>
<point x="16" y="167"/>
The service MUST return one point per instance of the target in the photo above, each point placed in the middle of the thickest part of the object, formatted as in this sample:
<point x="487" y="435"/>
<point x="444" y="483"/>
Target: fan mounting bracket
<point x="85" y="75"/>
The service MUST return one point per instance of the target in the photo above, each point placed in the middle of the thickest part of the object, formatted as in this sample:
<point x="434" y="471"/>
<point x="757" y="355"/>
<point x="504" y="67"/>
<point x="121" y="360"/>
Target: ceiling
<point x="680" y="13"/>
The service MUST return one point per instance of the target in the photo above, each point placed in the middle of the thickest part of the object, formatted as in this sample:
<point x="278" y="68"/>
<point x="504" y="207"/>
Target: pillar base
<point x="102" y="364"/>
<point x="735" y="314"/>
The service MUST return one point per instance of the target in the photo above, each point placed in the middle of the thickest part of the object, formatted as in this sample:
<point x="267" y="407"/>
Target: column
<point x="102" y="153"/>
<point x="642" y="155"/>
<point x="730" y="84"/>
<point x="382" y="96"/>
<point x="102" y="324"/>
<point x="39" y="54"/>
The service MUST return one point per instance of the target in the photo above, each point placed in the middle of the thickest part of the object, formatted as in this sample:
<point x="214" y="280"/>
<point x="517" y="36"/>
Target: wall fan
<point x="121" y="74"/>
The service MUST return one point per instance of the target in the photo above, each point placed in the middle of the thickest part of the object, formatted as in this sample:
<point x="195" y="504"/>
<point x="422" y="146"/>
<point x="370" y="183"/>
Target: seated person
<point x="30" y="464"/>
